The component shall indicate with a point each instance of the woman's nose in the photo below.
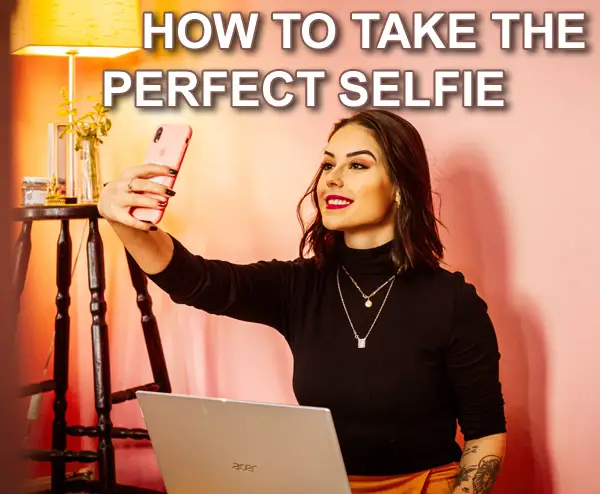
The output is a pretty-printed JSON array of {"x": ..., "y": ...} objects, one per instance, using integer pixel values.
[{"x": 334, "y": 178}]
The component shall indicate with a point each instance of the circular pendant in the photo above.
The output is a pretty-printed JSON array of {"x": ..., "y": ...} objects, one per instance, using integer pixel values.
[{"x": 368, "y": 303}]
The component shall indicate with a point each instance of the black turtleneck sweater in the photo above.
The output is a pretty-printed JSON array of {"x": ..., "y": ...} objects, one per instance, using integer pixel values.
[{"x": 431, "y": 359}]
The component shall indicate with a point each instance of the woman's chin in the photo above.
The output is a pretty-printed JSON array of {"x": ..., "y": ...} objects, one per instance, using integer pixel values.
[
  {"x": 331, "y": 225},
  {"x": 336, "y": 225}
]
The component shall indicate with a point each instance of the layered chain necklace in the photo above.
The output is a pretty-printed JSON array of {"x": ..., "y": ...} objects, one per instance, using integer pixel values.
[
  {"x": 368, "y": 303},
  {"x": 362, "y": 342}
]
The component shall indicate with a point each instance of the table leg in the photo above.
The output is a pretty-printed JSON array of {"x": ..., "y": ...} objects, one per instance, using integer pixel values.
[
  {"x": 102, "y": 375},
  {"x": 149, "y": 326},
  {"x": 61, "y": 354},
  {"x": 21, "y": 262}
]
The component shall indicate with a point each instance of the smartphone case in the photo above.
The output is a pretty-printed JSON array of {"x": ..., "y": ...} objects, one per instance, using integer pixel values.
[{"x": 168, "y": 147}]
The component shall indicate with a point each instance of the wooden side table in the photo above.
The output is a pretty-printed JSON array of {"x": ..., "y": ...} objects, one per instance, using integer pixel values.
[{"x": 104, "y": 398}]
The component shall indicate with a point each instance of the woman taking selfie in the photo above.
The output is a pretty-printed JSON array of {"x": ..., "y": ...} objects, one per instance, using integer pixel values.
[{"x": 398, "y": 348}]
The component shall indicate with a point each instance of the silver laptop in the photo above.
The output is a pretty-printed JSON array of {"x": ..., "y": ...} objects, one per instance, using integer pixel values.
[{"x": 218, "y": 446}]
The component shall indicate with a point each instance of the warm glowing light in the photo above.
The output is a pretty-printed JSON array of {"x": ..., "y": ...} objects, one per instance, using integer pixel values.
[{"x": 99, "y": 28}]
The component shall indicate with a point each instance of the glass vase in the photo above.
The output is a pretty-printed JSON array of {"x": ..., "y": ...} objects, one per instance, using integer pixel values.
[{"x": 90, "y": 185}]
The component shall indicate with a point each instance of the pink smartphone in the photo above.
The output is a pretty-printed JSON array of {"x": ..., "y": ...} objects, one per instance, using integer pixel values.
[{"x": 168, "y": 147}]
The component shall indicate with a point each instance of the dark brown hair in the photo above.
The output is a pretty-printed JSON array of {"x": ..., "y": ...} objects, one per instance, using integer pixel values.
[{"x": 416, "y": 239}]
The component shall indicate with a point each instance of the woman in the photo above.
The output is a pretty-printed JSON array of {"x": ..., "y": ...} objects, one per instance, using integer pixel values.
[{"x": 396, "y": 346}]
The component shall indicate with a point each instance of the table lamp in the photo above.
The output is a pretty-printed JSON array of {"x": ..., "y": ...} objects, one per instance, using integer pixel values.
[{"x": 75, "y": 28}]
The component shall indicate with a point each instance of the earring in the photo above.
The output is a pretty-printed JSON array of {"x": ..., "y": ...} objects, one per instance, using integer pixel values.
[{"x": 398, "y": 198}]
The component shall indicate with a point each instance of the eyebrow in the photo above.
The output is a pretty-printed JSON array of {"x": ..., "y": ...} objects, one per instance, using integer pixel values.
[{"x": 354, "y": 153}]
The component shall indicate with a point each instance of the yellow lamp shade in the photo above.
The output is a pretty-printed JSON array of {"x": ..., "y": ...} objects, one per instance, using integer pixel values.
[{"x": 98, "y": 28}]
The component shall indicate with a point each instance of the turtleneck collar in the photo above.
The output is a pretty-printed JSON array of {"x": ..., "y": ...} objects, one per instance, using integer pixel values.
[{"x": 374, "y": 260}]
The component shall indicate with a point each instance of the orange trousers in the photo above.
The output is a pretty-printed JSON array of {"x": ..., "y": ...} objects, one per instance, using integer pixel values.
[{"x": 439, "y": 480}]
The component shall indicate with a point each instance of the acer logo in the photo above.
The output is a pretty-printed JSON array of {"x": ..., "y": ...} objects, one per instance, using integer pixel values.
[{"x": 243, "y": 467}]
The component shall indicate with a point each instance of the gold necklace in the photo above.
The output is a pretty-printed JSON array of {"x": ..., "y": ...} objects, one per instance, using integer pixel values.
[
  {"x": 362, "y": 342},
  {"x": 367, "y": 298}
]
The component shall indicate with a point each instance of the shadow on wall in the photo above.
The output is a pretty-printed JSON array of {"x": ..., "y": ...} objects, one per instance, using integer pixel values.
[{"x": 476, "y": 240}]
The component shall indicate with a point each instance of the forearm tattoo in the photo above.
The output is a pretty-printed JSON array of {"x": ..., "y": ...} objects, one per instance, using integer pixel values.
[
  {"x": 481, "y": 476},
  {"x": 472, "y": 449}
]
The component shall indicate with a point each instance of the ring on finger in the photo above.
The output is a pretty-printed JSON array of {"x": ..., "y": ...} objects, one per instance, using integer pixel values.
[{"x": 129, "y": 186}]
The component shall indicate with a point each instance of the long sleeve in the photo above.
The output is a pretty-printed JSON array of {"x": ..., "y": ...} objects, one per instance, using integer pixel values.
[
  {"x": 259, "y": 292},
  {"x": 473, "y": 364}
]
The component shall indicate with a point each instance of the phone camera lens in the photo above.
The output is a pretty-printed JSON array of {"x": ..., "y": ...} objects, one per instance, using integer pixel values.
[{"x": 158, "y": 134}]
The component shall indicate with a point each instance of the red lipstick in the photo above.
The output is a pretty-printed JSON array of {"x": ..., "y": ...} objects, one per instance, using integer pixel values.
[{"x": 337, "y": 202}]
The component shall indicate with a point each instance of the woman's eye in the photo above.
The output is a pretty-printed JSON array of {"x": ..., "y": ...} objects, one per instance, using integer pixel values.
[{"x": 353, "y": 165}]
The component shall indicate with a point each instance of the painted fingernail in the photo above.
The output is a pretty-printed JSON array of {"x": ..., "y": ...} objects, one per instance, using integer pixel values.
[
  {"x": 153, "y": 228},
  {"x": 162, "y": 204},
  {"x": 170, "y": 192},
  {"x": 172, "y": 171}
]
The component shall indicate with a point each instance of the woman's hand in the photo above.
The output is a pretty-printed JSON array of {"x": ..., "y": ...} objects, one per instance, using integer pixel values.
[{"x": 132, "y": 189}]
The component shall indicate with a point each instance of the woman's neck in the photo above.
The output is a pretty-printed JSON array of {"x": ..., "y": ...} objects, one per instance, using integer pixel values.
[
  {"x": 368, "y": 239},
  {"x": 368, "y": 258}
]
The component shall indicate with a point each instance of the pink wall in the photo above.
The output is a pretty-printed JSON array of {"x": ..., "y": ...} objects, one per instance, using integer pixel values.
[{"x": 519, "y": 199}]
